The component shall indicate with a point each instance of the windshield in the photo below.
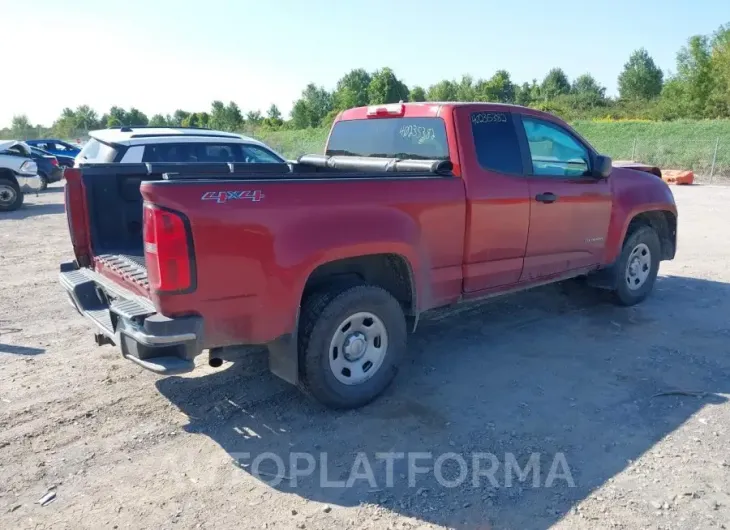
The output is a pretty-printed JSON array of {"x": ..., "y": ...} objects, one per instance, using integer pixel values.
[{"x": 414, "y": 138}]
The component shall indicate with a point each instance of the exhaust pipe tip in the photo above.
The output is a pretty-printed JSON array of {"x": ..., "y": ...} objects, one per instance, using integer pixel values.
[
  {"x": 102, "y": 340},
  {"x": 215, "y": 362}
]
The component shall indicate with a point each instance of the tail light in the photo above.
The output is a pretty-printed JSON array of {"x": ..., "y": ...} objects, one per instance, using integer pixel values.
[
  {"x": 74, "y": 198},
  {"x": 168, "y": 250},
  {"x": 54, "y": 162},
  {"x": 392, "y": 109}
]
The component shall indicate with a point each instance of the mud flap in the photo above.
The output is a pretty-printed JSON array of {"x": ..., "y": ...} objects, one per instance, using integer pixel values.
[
  {"x": 604, "y": 278},
  {"x": 284, "y": 358}
]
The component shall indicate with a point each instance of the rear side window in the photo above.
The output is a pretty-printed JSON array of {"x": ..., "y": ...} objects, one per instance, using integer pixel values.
[
  {"x": 414, "y": 138},
  {"x": 495, "y": 140},
  {"x": 209, "y": 152},
  {"x": 97, "y": 152}
]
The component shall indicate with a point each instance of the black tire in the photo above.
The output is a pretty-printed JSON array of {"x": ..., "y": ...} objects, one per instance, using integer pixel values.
[
  {"x": 322, "y": 314},
  {"x": 625, "y": 295},
  {"x": 44, "y": 181},
  {"x": 11, "y": 198}
]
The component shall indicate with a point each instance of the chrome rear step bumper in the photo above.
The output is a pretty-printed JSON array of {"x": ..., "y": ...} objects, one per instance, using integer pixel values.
[{"x": 155, "y": 342}]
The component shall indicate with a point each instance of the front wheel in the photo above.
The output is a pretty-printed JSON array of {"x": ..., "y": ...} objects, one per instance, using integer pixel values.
[
  {"x": 11, "y": 198},
  {"x": 351, "y": 344},
  {"x": 637, "y": 266}
]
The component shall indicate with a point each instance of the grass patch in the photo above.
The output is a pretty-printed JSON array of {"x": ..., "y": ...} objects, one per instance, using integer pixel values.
[
  {"x": 683, "y": 144},
  {"x": 293, "y": 144}
]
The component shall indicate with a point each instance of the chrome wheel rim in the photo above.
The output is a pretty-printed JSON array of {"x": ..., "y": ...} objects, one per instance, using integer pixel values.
[
  {"x": 357, "y": 348},
  {"x": 7, "y": 194},
  {"x": 638, "y": 267}
]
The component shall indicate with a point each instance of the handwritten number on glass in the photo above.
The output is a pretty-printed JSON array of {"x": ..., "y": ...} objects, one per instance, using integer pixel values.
[
  {"x": 489, "y": 117},
  {"x": 419, "y": 133}
]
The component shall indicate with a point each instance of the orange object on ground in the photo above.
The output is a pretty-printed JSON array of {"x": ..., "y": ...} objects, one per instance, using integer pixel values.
[{"x": 678, "y": 176}]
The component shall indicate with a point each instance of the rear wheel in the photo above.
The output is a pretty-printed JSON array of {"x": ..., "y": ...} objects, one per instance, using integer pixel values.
[
  {"x": 11, "y": 198},
  {"x": 44, "y": 181},
  {"x": 638, "y": 266},
  {"x": 351, "y": 344}
]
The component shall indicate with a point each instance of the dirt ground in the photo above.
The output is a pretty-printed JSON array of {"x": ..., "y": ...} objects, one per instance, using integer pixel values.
[{"x": 636, "y": 400}]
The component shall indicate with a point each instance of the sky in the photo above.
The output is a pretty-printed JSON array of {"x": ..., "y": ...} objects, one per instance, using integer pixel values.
[{"x": 161, "y": 55}]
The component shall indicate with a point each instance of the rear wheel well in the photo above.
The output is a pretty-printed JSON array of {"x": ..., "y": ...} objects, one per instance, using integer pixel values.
[
  {"x": 665, "y": 225},
  {"x": 392, "y": 272}
]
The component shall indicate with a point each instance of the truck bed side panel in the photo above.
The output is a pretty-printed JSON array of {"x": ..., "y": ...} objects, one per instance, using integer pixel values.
[{"x": 256, "y": 246}]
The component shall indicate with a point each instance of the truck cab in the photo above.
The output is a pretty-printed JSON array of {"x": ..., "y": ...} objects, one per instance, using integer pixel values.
[{"x": 541, "y": 202}]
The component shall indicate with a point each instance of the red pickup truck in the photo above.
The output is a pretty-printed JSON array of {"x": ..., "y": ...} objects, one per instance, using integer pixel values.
[{"x": 330, "y": 260}]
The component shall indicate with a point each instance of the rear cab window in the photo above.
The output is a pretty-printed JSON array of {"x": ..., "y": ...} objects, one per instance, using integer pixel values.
[
  {"x": 404, "y": 138},
  {"x": 97, "y": 152}
]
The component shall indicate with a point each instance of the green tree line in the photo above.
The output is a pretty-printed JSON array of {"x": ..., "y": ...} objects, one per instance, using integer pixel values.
[{"x": 700, "y": 88}]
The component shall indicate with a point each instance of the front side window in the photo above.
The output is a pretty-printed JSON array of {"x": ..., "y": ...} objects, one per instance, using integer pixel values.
[
  {"x": 253, "y": 154},
  {"x": 554, "y": 151}
]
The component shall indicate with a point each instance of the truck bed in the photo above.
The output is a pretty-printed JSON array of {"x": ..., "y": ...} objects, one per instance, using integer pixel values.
[
  {"x": 128, "y": 267},
  {"x": 113, "y": 202}
]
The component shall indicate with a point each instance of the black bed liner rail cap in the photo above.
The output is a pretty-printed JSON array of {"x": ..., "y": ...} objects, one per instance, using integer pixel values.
[
  {"x": 377, "y": 164},
  {"x": 305, "y": 165}
]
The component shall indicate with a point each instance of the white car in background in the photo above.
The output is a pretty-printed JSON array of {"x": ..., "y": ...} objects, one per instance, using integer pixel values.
[
  {"x": 172, "y": 144},
  {"x": 18, "y": 174}
]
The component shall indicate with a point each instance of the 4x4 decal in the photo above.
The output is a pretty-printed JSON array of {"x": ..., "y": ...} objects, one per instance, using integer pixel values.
[{"x": 225, "y": 196}]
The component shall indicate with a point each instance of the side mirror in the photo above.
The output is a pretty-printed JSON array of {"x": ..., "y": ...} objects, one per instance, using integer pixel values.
[{"x": 603, "y": 166}]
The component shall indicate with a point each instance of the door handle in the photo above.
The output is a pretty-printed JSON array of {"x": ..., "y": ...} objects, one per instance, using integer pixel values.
[{"x": 546, "y": 197}]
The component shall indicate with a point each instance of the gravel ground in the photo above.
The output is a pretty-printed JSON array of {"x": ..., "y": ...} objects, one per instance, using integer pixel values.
[{"x": 633, "y": 400}]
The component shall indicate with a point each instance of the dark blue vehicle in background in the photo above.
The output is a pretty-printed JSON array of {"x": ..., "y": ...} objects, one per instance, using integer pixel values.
[
  {"x": 49, "y": 169},
  {"x": 63, "y": 151}
]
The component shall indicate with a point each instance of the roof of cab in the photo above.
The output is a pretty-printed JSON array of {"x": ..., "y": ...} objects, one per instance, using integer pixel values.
[
  {"x": 461, "y": 103},
  {"x": 146, "y": 135},
  {"x": 425, "y": 109}
]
